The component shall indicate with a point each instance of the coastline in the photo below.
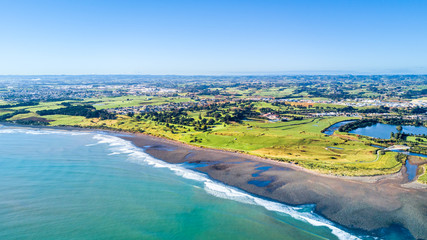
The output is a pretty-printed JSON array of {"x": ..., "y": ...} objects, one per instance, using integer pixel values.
[{"x": 367, "y": 203}]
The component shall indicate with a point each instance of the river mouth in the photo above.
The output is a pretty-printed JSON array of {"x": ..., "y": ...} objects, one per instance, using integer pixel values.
[{"x": 411, "y": 168}]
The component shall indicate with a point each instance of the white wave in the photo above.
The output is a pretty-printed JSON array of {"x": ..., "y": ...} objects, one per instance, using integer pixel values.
[
  {"x": 114, "y": 153},
  {"x": 218, "y": 189},
  {"x": 92, "y": 144},
  {"x": 38, "y": 131}
]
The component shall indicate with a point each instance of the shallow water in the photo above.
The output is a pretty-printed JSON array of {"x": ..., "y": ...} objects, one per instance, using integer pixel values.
[
  {"x": 71, "y": 185},
  {"x": 411, "y": 170}
]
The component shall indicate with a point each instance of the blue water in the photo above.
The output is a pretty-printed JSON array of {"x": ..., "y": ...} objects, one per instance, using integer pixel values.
[
  {"x": 330, "y": 130},
  {"x": 261, "y": 170},
  {"x": 72, "y": 185},
  {"x": 338, "y": 148},
  {"x": 384, "y": 131},
  {"x": 411, "y": 170},
  {"x": 260, "y": 183}
]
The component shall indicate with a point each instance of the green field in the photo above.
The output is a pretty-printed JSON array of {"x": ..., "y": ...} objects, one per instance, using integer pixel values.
[
  {"x": 423, "y": 177},
  {"x": 414, "y": 139},
  {"x": 130, "y": 101},
  {"x": 4, "y": 111},
  {"x": 275, "y": 92}
]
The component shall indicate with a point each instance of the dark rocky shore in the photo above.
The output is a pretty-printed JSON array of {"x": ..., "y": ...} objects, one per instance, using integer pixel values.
[{"x": 367, "y": 203}]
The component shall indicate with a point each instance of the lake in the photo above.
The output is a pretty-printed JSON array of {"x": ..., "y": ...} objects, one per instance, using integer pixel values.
[{"x": 384, "y": 131}]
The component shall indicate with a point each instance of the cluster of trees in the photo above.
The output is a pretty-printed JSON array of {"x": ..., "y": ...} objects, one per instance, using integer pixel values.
[
  {"x": 33, "y": 121},
  {"x": 419, "y": 110},
  {"x": 381, "y": 109},
  {"x": 181, "y": 117},
  {"x": 401, "y": 158},
  {"x": 357, "y": 124},
  {"x": 216, "y": 113},
  {"x": 22, "y": 104},
  {"x": 419, "y": 149},
  {"x": 176, "y": 117},
  {"x": 399, "y": 136},
  {"x": 87, "y": 111},
  {"x": 414, "y": 93},
  {"x": 400, "y": 121},
  {"x": 9, "y": 115}
]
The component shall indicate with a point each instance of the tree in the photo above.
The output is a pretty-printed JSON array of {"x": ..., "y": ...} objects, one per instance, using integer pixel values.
[{"x": 399, "y": 128}]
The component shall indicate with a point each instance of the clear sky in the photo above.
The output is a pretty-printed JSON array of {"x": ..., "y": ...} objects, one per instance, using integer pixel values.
[{"x": 212, "y": 37}]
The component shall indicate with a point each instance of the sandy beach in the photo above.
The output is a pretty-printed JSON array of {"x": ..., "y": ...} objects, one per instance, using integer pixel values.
[{"x": 366, "y": 203}]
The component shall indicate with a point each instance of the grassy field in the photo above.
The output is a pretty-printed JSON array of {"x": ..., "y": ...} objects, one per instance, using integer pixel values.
[
  {"x": 275, "y": 92},
  {"x": 414, "y": 139},
  {"x": 130, "y": 101},
  {"x": 300, "y": 142},
  {"x": 42, "y": 106},
  {"x": 423, "y": 177},
  {"x": 4, "y": 111}
]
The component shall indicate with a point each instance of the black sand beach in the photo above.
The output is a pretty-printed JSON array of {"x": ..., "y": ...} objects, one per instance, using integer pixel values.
[{"x": 367, "y": 203}]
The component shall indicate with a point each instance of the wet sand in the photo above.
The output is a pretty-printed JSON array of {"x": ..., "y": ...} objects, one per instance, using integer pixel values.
[{"x": 366, "y": 203}]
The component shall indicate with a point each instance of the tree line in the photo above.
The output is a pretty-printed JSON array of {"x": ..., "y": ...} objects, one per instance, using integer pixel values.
[{"x": 87, "y": 111}]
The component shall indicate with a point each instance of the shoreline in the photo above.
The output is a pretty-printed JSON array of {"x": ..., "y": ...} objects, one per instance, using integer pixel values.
[
  {"x": 370, "y": 204},
  {"x": 365, "y": 203},
  {"x": 362, "y": 178}
]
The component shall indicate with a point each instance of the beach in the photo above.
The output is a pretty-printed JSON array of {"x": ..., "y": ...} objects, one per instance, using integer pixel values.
[{"x": 365, "y": 203}]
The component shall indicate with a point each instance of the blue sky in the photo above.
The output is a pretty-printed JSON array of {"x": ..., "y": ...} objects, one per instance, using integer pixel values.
[{"x": 212, "y": 37}]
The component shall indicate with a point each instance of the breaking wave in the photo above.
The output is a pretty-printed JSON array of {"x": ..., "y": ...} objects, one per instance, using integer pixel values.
[{"x": 36, "y": 131}]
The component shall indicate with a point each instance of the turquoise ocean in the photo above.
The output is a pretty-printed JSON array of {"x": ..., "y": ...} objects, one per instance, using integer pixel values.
[{"x": 58, "y": 184}]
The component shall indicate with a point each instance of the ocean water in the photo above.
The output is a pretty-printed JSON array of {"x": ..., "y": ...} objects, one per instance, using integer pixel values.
[{"x": 73, "y": 185}]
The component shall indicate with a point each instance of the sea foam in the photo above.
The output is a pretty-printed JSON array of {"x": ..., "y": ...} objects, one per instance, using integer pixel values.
[
  {"x": 217, "y": 189},
  {"x": 5, "y": 130}
]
